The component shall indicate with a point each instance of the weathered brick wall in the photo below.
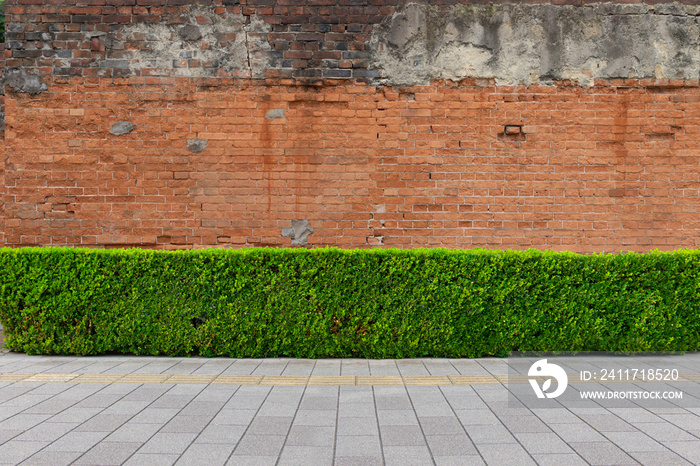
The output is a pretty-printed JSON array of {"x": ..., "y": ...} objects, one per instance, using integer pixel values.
[{"x": 314, "y": 136}]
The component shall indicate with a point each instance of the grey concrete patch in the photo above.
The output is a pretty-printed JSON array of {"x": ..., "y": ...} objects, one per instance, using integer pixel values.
[
  {"x": 299, "y": 231},
  {"x": 526, "y": 44},
  {"x": 196, "y": 145},
  {"x": 120, "y": 128},
  {"x": 274, "y": 113},
  {"x": 20, "y": 81}
]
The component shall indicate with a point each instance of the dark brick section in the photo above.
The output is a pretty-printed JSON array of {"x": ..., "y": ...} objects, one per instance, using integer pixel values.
[{"x": 307, "y": 38}]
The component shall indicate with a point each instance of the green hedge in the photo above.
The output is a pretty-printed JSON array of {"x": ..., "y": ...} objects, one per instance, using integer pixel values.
[{"x": 358, "y": 303}]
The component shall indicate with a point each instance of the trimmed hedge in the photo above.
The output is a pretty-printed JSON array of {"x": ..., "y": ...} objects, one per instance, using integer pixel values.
[{"x": 346, "y": 303}]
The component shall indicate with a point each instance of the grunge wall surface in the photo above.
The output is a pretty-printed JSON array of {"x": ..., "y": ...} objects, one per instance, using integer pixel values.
[{"x": 177, "y": 123}]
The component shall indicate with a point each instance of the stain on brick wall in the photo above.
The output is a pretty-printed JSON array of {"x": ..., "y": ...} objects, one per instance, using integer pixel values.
[{"x": 381, "y": 124}]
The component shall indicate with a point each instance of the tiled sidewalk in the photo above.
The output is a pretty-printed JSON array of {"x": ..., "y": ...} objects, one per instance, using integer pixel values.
[{"x": 143, "y": 410}]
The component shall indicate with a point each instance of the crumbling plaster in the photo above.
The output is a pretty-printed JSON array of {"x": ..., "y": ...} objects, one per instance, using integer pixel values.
[
  {"x": 202, "y": 44},
  {"x": 526, "y": 44}
]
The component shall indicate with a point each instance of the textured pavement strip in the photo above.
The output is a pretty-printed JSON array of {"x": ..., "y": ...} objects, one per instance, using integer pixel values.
[
  {"x": 294, "y": 380},
  {"x": 123, "y": 410}
]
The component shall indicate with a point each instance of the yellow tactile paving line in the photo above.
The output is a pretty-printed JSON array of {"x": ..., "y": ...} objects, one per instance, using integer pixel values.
[{"x": 46, "y": 377}]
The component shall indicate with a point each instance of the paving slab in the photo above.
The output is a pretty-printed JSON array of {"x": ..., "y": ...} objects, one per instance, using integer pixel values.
[{"x": 154, "y": 410}]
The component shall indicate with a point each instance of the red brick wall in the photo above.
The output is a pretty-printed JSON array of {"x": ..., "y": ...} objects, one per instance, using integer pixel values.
[{"x": 606, "y": 168}]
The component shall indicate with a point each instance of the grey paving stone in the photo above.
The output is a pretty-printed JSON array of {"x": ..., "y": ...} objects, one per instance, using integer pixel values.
[
  {"x": 76, "y": 415},
  {"x": 202, "y": 408},
  {"x": 278, "y": 408},
  {"x": 23, "y": 421},
  {"x": 50, "y": 406},
  {"x": 108, "y": 453},
  {"x": 400, "y": 402},
  {"x": 15, "y": 451},
  {"x": 664, "y": 432},
  {"x": 458, "y": 460},
  {"x": 451, "y": 445},
  {"x": 167, "y": 443},
  {"x": 407, "y": 455},
  {"x": 126, "y": 407},
  {"x": 559, "y": 459},
  {"x": 359, "y": 461},
  {"x": 6, "y": 435},
  {"x": 241, "y": 460},
  {"x": 432, "y": 409},
  {"x": 206, "y": 454},
  {"x": 528, "y": 423},
  {"x": 397, "y": 418},
  {"x": 608, "y": 423},
  {"x": 172, "y": 401},
  {"x": 441, "y": 425},
  {"x": 259, "y": 445},
  {"x": 154, "y": 416},
  {"x": 223, "y": 434},
  {"x": 634, "y": 441},
  {"x": 357, "y": 426},
  {"x": 103, "y": 423},
  {"x": 234, "y": 417},
  {"x": 655, "y": 458},
  {"x": 356, "y": 394},
  {"x": 489, "y": 434},
  {"x": 577, "y": 433},
  {"x": 542, "y": 443},
  {"x": 181, "y": 423},
  {"x": 77, "y": 441},
  {"x": 556, "y": 416},
  {"x": 357, "y": 445},
  {"x": 152, "y": 459},
  {"x": 402, "y": 435},
  {"x": 601, "y": 453},
  {"x": 315, "y": 418},
  {"x": 505, "y": 454},
  {"x": 133, "y": 432},
  {"x": 52, "y": 458},
  {"x": 47, "y": 431},
  {"x": 477, "y": 417},
  {"x": 270, "y": 425},
  {"x": 311, "y": 436},
  {"x": 318, "y": 402},
  {"x": 689, "y": 450},
  {"x": 356, "y": 409},
  {"x": 303, "y": 456}
]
